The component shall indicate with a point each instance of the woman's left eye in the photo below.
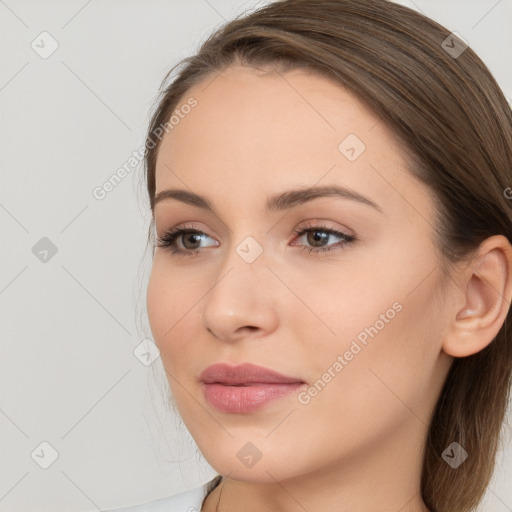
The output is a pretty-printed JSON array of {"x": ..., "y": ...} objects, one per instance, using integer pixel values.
[
  {"x": 319, "y": 234},
  {"x": 314, "y": 235}
]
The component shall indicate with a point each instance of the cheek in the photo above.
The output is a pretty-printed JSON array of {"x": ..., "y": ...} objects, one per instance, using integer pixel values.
[
  {"x": 173, "y": 306},
  {"x": 160, "y": 303},
  {"x": 381, "y": 368},
  {"x": 166, "y": 304}
]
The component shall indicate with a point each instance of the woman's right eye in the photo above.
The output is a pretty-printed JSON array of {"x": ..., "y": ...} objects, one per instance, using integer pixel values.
[{"x": 169, "y": 240}]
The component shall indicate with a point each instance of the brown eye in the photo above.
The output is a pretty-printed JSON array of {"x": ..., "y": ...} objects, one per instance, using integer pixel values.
[
  {"x": 190, "y": 240},
  {"x": 318, "y": 237}
]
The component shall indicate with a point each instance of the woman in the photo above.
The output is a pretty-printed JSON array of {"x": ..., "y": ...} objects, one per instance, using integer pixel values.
[{"x": 331, "y": 279}]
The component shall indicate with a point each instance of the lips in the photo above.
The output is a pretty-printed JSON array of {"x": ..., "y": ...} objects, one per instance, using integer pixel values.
[
  {"x": 245, "y": 388},
  {"x": 244, "y": 374}
]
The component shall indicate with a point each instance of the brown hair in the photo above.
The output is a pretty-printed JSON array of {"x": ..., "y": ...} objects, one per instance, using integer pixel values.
[{"x": 456, "y": 125}]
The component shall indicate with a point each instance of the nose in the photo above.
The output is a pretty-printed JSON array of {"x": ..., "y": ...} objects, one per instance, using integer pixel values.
[{"x": 241, "y": 302}]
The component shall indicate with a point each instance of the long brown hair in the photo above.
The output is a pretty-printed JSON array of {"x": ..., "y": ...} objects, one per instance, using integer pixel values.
[{"x": 455, "y": 123}]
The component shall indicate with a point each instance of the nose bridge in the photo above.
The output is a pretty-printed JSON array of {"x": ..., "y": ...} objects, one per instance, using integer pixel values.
[
  {"x": 246, "y": 242},
  {"x": 238, "y": 298}
]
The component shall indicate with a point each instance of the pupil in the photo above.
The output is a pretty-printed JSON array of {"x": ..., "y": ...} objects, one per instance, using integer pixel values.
[
  {"x": 318, "y": 236},
  {"x": 191, "y": 236}
]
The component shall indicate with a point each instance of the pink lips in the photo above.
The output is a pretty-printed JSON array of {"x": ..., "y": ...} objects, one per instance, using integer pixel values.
[{"x": 244, "y": 388}]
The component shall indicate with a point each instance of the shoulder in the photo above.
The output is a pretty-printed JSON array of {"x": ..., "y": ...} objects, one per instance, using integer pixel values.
[{"x": 187, "y": 501}]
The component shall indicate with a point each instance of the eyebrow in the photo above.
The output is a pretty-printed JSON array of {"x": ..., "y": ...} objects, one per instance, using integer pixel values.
[{"x": 278, "y": 202}]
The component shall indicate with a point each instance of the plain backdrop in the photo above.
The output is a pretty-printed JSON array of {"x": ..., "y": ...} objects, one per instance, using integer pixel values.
[{"x": 78, "y": 80}]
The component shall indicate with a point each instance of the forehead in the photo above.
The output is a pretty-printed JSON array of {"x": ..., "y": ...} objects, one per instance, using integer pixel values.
[
  {"x": 267, "y": 113},
  {"x": 250, "y": 130}
]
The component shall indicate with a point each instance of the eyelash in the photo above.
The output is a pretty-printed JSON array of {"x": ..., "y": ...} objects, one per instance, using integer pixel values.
[{"x": 168, "y": 239}]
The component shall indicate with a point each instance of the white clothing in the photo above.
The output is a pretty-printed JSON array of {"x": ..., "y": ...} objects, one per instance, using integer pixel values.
[{"x": 187, "y": 501}]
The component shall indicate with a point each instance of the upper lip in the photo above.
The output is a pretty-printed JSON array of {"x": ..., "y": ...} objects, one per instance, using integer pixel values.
[{"x": 244, "y": 374}]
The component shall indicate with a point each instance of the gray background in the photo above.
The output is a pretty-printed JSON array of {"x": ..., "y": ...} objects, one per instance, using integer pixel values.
[{"x": 70, "y": 323}]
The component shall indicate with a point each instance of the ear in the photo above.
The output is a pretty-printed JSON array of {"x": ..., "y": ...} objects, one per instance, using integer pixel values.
[{"x": 486, "y": 293}]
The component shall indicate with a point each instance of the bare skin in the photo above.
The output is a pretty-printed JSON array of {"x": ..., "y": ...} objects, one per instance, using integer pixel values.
[{"x": 356, "y": 445}]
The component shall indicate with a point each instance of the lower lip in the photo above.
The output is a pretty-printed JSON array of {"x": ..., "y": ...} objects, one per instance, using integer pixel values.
[{"x": 244, "y": 399}]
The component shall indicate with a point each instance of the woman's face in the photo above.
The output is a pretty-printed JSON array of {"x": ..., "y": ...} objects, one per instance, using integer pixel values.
[{"x": 359, "y": 327}]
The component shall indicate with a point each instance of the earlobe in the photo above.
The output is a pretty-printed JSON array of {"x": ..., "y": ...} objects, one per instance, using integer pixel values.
[{"x": 487, "y": 291}]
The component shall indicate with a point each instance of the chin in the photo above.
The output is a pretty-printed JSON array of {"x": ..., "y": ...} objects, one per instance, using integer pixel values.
[{"x": 245, "y": 461}]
